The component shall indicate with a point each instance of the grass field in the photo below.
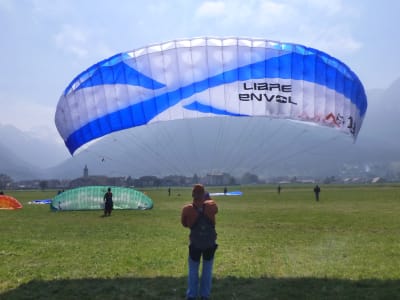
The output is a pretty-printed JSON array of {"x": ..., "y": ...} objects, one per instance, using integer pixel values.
[{"x": 287, "y": 246}]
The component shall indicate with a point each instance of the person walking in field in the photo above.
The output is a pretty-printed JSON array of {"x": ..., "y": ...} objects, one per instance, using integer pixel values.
[
  {"x": 108, "y": 203},
  {"x": 317, "y": 190},
  {"x": 199, "y": 216}
]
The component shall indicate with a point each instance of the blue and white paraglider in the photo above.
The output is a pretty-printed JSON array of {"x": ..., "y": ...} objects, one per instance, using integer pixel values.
[{"x": 210, "y": 77}]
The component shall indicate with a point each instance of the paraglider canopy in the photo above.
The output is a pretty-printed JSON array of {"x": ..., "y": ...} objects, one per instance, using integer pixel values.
[
  {"x": 210, "y": 77},
  {"x": 91, "y": 198},
  {"x": 8, "y": 202}
]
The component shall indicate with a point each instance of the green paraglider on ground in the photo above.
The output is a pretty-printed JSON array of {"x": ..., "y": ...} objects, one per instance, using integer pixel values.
[{"x": 91, "y": 198}]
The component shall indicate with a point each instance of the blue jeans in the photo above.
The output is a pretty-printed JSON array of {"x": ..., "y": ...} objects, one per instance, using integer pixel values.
[{"x": 206, "y": 273}]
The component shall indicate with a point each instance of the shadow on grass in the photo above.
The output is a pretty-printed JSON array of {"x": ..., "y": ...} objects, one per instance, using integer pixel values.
[{"x": 168, "y": 288}]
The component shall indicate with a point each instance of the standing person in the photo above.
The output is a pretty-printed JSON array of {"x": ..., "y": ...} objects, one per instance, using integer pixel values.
[
  {"x": 317, "y": 190},
  {"x": 199, "y": 216},
  {"x": 279, "y": 189},
  {"x": 108, "y": 203}
]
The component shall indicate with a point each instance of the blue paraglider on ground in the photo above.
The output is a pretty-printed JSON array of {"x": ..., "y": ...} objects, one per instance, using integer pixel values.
[
  {"x": 40, "y": 201},
  {"x": 233, "y": 193}
]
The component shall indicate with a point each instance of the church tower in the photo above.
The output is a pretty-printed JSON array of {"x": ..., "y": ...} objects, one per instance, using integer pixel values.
[{"x": 86, "y": 172}]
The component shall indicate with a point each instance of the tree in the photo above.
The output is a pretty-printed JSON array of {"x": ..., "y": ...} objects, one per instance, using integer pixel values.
[
  {"x": 5, "y": 181},
  {"x": 195, "y": 179},
  {"x": 129, "y": 181},
  {"x": 249, "y": 178},
  {"x": 43, "y": 184},
  {"x": 330, "y": 179}
]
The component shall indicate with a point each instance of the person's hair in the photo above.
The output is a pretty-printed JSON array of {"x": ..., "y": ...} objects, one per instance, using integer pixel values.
[{"x": 198, "y": 191}]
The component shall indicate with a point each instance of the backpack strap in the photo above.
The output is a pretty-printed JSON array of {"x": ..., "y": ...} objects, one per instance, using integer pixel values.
[{"x": 200, "y": 212}]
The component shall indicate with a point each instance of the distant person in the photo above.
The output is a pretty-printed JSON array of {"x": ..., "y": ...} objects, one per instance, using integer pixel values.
[
  {"x": 108, "y": 203},
  {"x": 317, "y": 190},
  {"x": 225, "y": 190},
  {"x": 199, "y": 216},
  {"x": 169, "y": 191},
  {"x": 279, "y": 189}
]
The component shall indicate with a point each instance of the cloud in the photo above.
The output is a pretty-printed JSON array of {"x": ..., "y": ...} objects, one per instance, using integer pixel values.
[
  {"x": 72, "y": 40},
  {"x": 52, "y": 9},
  {"x": 7, "y": 6},
  {"x": 335, "y": 40},
  {"x": 340, "y": 41},
  {"x": 332, "y": 7},
  {"x": 211, "y": 9},
  {"x": 27, "y": 114},
  {"x": 241, "y": 17},
  {"x": 326, "y": 26},
  {"x": 84, "y": 45}
]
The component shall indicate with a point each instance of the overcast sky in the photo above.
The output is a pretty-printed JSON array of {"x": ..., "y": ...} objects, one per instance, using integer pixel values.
[{"x": 46, "y": 43}]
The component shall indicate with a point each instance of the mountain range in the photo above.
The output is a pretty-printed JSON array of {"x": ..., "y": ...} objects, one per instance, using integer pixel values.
[{"x": 233, "y": 145}]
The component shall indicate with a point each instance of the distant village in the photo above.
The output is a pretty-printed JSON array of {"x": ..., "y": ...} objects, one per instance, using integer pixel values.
[{"x": 214, "y": 179}]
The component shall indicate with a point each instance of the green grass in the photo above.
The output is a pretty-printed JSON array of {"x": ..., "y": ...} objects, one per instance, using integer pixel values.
[{"x": 287, "y": 246}]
